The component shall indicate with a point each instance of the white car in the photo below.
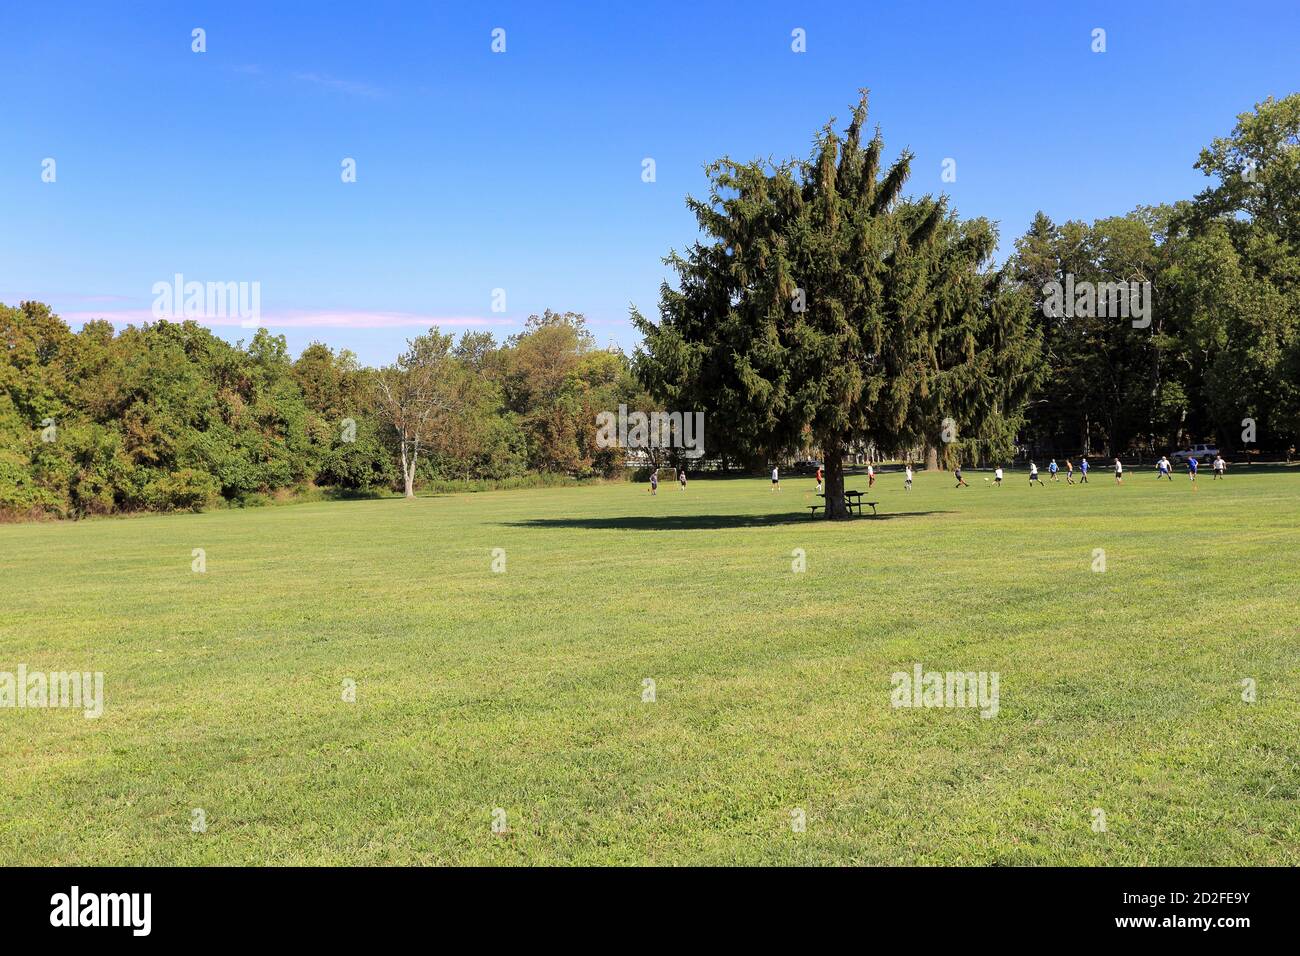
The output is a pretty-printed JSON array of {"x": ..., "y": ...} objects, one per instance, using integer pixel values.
[{"x": 1205, "y": 454}]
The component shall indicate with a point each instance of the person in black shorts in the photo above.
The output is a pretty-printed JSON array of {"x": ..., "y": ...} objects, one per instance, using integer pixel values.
[{"x": 961, "y": 482}]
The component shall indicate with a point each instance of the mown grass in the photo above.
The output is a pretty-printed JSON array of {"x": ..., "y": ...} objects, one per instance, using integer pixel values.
[{"x": 522, "y": 690}]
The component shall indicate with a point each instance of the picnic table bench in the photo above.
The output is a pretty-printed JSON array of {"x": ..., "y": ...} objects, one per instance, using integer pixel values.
[{"x": 852, "y": 500}]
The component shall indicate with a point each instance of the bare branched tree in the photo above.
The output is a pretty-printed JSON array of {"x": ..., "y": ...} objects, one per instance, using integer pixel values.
[{"x": 416, "y": 394}]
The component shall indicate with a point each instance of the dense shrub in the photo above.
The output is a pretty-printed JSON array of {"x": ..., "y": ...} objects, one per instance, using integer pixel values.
[{"x": 170, "y": 417}]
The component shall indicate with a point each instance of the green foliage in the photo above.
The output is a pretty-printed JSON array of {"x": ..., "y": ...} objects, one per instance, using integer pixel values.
[
  {"x": 821, "y": 308},
  {"x": 171, "y": 417},
  {"x": 823, "y": 304},
  {"x": 1224, "y": 341}
]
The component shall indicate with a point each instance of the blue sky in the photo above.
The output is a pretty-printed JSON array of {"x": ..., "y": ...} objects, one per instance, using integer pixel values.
[{"x": 522, "y": 170}]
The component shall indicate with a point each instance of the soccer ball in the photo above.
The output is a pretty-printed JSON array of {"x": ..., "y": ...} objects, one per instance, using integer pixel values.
[{"x": 986, "y": 479}]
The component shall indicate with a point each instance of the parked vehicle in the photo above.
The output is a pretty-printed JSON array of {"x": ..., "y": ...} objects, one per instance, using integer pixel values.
[{"x": 1202, "y": 453}]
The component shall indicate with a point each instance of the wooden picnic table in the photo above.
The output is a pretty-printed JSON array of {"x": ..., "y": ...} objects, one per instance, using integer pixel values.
[{"x": 852, "y": 500}]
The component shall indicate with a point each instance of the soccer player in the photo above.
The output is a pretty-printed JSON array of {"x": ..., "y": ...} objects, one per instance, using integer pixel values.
[
  {"x": 654, "y": 482},
  {"x": 1220, "y": 466},
  {"x": 961, "y": 482},
  {"x": 871, "y": 474},
  {"x": 819, "y": 479},
  {"x": 681, "y": 478},
  {"x": 776, "y": 479},
  {"x": 907, "y": 485},
  {"x": 997, "y": 476},
  {"x": 1162, "y": 469},
  {"x": 1119, "y": 472},
  {"x": 1083, "y": 470},
  {"x": 1192, "y": 465},
  {"x": 1052, "y": 469},
  {"x": 1069, "y": 472},
  {"x": 1033, "y": 475}
]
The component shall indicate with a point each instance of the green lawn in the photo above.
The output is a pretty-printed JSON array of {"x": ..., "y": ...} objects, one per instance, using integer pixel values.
[{"x": 523, "y": 690}]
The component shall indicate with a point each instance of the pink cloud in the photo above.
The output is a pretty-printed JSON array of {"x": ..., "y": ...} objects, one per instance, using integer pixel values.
[{"x": 301, "y": 319}]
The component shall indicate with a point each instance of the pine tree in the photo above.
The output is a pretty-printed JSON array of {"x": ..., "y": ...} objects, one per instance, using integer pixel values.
[{"x": 823, "y": 304}]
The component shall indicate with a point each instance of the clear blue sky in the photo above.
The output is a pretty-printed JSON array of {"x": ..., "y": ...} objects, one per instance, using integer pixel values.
[{"x": 522, "y": 170}]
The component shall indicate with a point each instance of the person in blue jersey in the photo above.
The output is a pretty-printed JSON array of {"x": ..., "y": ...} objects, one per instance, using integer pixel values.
[{"x": 1083, "y": 470}]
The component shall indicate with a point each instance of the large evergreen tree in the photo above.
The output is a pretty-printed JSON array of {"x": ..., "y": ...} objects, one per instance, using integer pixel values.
[{"x": 823, "y": 304}]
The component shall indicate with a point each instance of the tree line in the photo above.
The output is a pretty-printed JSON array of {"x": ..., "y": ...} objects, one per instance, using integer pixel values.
[
  {"x": 823, "y": 310},
  {"x": 170, "y": 416},
  {"x": 819, "y": 309}
]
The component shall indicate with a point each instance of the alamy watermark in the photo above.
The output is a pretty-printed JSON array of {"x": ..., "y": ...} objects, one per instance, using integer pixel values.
[
  {"x": 1114, "y": 300},
  {"x": 683, "y": 430},
  {"x": 179, "y": 299},
  {"x": 922, "y": 688},
  {"x": 75, "y": 908},
  {"x": 48, "y": 689}
]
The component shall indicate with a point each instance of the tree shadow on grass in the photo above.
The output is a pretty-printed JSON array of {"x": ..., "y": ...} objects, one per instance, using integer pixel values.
[{"x": 702, "y": 522}]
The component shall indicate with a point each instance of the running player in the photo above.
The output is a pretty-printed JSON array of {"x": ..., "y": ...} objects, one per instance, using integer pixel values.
[
  {"x": 1052, "y": 469},
  {"x": 1220, "y": 466},
  {"x": 1033, "y": 475},
  {"x": 961, "y": 482},
  {"x": 1069, "y": 472},
  {"x": 1083, "y": 470},
  {"x": 997, "y": 476}
]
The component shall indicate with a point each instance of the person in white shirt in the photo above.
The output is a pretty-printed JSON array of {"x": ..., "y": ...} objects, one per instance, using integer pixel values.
[
  {"x": 907, "y": 485},
  {"x": 997, "y": 476},
  {"x": 776, "y": 479},
  {"x": 1033, "y": 474},
  {"x": 1220, "y": 466},
  {"x": 1119, "y": 472},
  {"x": 871, "y": 475}
]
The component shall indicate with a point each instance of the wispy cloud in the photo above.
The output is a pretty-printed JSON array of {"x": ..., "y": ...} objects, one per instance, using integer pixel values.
[
  {"x": 38, "y": 296},
  {"x": 374, "y": 320},
  {"x": 343, "y": 86},
  {"x": 303, "y": 319},
  {"x": 321, "y": 80}
]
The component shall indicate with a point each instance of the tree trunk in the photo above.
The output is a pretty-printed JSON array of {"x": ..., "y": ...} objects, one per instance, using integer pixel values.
[
  {"x": 408, "y": 472},
  {"x": 931, "y": 458},
  {"x": 834, "y": 485}
]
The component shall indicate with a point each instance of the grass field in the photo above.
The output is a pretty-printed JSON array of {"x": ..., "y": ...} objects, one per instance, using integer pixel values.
[{"x": 523, "y": 690}]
